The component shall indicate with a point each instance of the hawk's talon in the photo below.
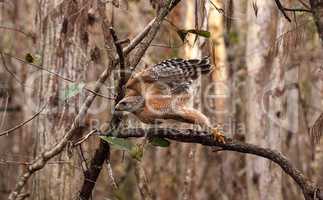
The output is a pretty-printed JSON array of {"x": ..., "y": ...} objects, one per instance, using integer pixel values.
[{"x": 218, "y": 135}]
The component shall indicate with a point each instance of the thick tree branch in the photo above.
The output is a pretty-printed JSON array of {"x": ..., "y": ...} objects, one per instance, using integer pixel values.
[
  {"x": 92, "y": 174},
  {"x": 192, "y": 136},
  {"x": 103, "y": 152}
]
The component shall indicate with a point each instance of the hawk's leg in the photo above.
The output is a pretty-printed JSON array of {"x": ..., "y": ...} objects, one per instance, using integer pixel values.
[{"x": 193, "y": 116}]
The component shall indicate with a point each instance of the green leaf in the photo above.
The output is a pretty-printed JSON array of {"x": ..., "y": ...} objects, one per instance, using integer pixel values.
[
  {"x": 160, "y": 142},
  {"x": 183, "y": 33},
  {"x": 135, "y": 151},
  {"x": 201, "y": 33},
  {"x": 119, "y": 143},
  {"x": 71, "y": 91}
]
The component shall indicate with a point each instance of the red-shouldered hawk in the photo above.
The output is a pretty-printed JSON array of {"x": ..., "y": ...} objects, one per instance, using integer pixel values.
[{"x": 162, "y": 91}]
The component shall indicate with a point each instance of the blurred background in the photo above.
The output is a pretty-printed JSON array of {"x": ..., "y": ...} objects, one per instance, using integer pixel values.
[{"x": 265, "y": 90}]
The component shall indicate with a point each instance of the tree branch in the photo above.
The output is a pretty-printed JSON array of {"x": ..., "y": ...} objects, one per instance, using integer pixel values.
[
  {"x": 92, "y": 174},
  {"x": 281, "y": 8},
  {"x": 143, "y": 46},
  {"x": 11, "y": 130},
  {"x": 103, "y": 152},
  {"x": 192, "y": 136},
  {"x": 284, "y": 10},
  {"x": 40, "y": 67},
  {"x": 118, "y": 46}
]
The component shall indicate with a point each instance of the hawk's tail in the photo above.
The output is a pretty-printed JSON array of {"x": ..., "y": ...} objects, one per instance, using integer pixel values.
[
  {"x": 194, "y": 67},
  {"x": 202, "y": 65},
  {"x": 181, "y": 69}
]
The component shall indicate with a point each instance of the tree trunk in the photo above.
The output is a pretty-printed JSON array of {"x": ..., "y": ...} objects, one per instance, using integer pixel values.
[
  {"x": 219, "y": 109},
  {"x": 63, "y": 46},
  {"x": 263, "y": 179},
  {"x": 16, "y": 20}
]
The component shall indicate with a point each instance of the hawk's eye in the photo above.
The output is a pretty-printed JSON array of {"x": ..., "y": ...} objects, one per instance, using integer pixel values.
[{"x": 123, "y": 103}]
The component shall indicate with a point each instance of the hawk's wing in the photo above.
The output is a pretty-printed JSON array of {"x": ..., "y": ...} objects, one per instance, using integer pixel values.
[{"x": 176, "y": 74}]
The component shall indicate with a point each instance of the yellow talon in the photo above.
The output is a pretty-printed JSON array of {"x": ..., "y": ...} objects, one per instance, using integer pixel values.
[{"x": 218, "y": 135}]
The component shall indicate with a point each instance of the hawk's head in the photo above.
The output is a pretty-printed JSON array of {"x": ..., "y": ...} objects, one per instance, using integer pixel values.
[{"x": 130, "y": 104}]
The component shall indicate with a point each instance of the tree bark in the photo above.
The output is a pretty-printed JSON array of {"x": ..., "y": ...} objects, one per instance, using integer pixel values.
[
  {"x": 16, "y": 20},
  {"x": 63, "y": 44},
  {"x": 263, "y": 180}
]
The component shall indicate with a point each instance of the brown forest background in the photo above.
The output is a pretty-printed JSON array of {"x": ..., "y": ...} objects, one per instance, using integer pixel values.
[{"x": 268, "y": 93}]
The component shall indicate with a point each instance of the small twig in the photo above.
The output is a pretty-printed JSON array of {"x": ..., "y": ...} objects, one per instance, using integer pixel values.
[
  {"x": 220, "y": 10},
  {"x": 304, "y": 4},
  {"x": 172, "y": 24},
  {"x": 284, "y": 10},
  {"x": 281, "y": 8},
  {"x": 37, "y": 66},
  {"x": 167, "y": 46},
  {"x": 85, "y": 137},
  {"x": 18, "y": 30},
  {"x": 53, "y": 73},
  {"x": 110, "y": 172},
  {"x": 13, "y": 162},
  {"x": 98, "y": 94},
  {"x": 7, "y": 69},
  {"x": 7, "y": 132},
  {"x": 297, "y": 10}
]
